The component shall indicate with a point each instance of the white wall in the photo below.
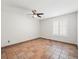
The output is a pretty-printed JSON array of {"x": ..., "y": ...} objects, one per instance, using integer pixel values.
[
  {"x": 66, "y": 33},
  {"x": 17, "y": 26}
]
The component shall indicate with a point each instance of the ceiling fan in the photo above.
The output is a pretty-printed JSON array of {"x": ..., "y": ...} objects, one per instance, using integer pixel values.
[{"x": 36, "y": 14}]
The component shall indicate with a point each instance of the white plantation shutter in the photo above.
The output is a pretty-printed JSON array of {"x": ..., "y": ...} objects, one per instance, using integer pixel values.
[
  {"x": 59, "y": 28},
  {"x": 55, "y": 28}
]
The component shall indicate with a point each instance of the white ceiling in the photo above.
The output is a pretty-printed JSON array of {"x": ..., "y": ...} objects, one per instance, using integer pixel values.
[{"x": 50, "y": 8}]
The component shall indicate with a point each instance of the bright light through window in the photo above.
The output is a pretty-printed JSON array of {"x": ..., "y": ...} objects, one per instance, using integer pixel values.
[{"x": 60, "y": 27}]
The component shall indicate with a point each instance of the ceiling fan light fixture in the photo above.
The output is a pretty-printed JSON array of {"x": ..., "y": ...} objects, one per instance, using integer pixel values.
[{"x": 34, "y": 16}]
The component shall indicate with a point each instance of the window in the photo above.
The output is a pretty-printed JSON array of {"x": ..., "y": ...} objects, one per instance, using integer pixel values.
[{"x": 60, "y": 27}]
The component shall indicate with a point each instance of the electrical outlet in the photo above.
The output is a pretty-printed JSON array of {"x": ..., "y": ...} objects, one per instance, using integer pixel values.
[{"x": 8, "y": 41}]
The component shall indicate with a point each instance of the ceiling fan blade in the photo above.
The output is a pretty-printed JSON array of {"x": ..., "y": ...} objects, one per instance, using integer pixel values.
[
  {"x": 40, "y": 13},
  {"x": 21, "y": 7}
]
